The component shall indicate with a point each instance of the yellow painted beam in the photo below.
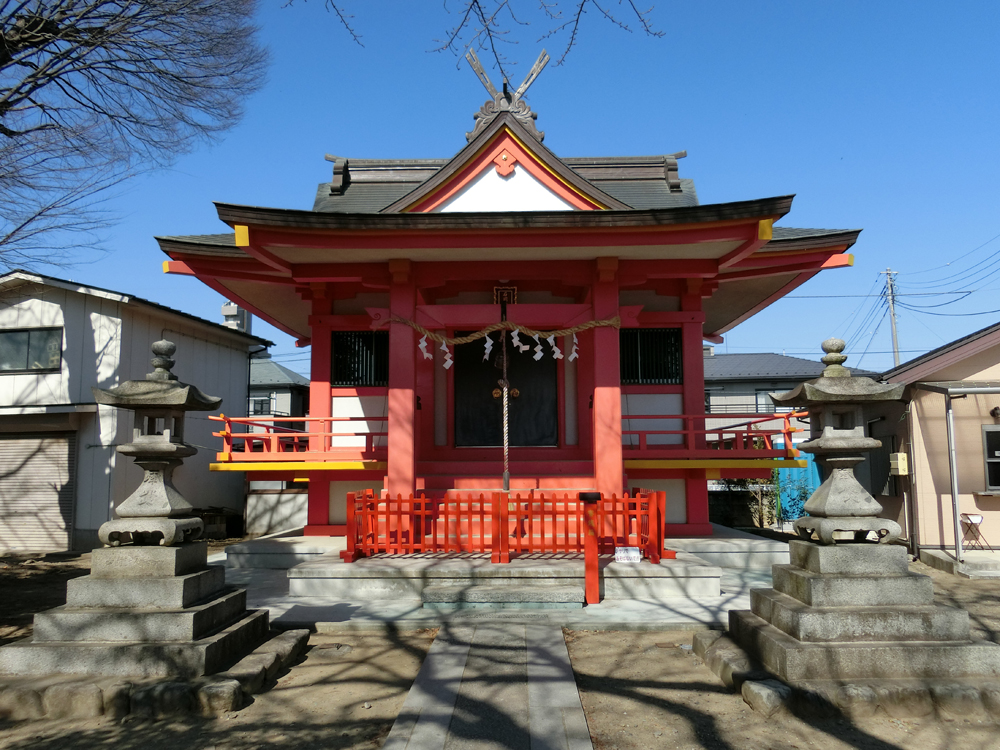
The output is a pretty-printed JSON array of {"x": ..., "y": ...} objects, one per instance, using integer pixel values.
[
  {"x": 300, "y": 466},
  {"x": 765, "y": 229},
  {"x": 711, "y": 463},
  {"x": 242, "y": 235}
]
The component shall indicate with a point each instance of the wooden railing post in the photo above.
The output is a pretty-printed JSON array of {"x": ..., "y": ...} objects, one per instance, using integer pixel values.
[
  {"x": 352, "y": 553},
  {"x": 592, "y": 576}
]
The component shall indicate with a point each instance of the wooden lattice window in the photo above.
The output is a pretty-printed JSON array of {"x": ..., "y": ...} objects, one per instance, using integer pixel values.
[
  {"x": 360, "y": 359},
  {"x": 651, "y": 356}
]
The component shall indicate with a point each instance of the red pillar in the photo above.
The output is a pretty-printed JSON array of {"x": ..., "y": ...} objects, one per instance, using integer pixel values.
[
  {"x": 592, "y": 575},
  {"x": 320, "y": 405},
  {"x": 402, "y": 382},
  {"x": 607, "y": 413},
  {"x": 696, "y": 485}
]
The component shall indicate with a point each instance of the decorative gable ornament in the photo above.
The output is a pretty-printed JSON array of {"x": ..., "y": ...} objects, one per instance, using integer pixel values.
[{"x": 504, "y": 101}]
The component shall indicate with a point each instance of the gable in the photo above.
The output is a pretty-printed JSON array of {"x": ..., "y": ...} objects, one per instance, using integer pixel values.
[
  {"x": 521, "y": 162},
  {"x": 505, "y": 175}
]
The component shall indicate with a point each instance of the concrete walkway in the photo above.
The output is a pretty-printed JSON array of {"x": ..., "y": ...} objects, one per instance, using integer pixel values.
[{"x": 494, "y": 685}]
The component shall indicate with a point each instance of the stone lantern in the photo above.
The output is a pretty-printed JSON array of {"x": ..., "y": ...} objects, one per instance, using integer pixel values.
[
  {"x": 836, "y": 413},
  {"x": 156, "y": 513},
  {"x": 847, "y": 617},
  {"x": 151, "y": 606}
]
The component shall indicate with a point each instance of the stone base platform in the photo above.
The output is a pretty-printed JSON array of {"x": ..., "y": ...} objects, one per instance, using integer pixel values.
[
  {"x": 144, "y": 611},
  {"x": 282, "y": 551},
  {"x": 469, "y": 577},
  {"x": 731, "y": 548},
  {"x": 798, "y": 662},
  {"x": 943, "y": 697},
  {"x": 205, "y": 656}
]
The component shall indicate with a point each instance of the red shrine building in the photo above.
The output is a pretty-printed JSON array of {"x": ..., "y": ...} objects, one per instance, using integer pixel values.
[{"x": 615, "y": 253}]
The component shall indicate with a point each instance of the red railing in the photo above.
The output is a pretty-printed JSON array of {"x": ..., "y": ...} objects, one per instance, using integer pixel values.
[
  {"x": 265, "y": 439},
  {"x": 357, "y": 439},
  {"x": 500, "y": 524},
  {"x": 746, "y": 437}
]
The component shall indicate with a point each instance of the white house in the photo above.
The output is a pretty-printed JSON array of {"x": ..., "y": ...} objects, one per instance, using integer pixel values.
[{"x": 60, "y": 476}]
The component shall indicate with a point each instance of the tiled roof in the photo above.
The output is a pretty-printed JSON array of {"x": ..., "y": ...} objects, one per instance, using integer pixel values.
[
  {"x": 765, "y": 366},
  {"x": 269, "y": 372}
]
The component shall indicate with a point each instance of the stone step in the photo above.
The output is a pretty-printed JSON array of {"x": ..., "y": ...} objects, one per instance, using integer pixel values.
[
  {"x": 128, "y": 624},
  {"x": 205, "y": 656},
  {"x": 395, "y": 577},
  {"x": 503, "y": 594},
  {"x": 130, "y": 561},
  {"x": 164, "y": 592},
  {"x": 795, "y": 661},
  {"x": 282, "y": 552},
  {"x": 820, "y": 590},
  {"x": 849, "y": 559},
  {"x": 886, "y": 623}
]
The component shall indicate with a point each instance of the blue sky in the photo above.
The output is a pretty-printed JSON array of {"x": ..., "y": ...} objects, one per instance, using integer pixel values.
[{"x": 882, "y": 116}]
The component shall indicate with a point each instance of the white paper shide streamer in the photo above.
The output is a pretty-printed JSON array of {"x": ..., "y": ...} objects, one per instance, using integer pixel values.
[
  {"x": 538, "y": 349},
  {"x": 574, "y": 351},
  {"x": 448, "y": 359},
  {"x": 556, "y": 351},
  {"x": 423, "y": 348},
  {"x": 515, "y": 336},
  {"x": 489, "y": 348}
]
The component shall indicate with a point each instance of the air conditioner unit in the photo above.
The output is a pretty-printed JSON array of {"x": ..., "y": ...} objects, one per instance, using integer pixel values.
[{"x": 899, "y": 464}]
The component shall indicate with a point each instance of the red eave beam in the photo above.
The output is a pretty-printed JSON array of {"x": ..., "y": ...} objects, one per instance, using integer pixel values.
[
  {"x": 621, "y": 236},
  {"x": 765, "y": 230},
  {"x": 837, "y": 261}
]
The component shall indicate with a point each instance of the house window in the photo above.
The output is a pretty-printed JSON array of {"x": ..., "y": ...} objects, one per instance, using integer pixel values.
[
  {"x": 360, "y": 359},
  {"x": 991, "y": 447},
  {"x": 651, "y": 356},
  {"x": 34, "y": 349},
  {"x": 260, "y": 405}
]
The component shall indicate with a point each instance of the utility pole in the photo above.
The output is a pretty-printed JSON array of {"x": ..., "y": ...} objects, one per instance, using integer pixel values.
[{"x": 890, "y": 292}]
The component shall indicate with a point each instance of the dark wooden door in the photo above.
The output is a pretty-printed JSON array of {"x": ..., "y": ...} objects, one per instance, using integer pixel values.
[{"x": 534, "y": 414}]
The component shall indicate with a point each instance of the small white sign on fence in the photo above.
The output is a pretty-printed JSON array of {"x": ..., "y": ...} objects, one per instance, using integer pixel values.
[{"x": 627, "y": 555}]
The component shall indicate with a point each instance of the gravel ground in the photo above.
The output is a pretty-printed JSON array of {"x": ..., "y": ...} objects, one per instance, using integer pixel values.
[{"x": 640, "y": 690}]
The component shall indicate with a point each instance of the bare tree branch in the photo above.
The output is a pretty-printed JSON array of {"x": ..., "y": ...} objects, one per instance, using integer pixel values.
[
  {"x": 343, "y": 16},
  {"x": 94, "y": 91}
]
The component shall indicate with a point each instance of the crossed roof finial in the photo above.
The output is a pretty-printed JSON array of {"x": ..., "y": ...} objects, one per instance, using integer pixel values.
[{"x": 504, "y": 101}]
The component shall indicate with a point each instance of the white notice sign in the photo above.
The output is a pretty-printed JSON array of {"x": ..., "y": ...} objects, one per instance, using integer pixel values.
[{"x": 627, "y": 555}]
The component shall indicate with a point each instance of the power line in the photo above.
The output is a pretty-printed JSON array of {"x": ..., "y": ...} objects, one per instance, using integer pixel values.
[
  {"x": 950, "y": 315},
  {"x": 882, "y": 294},
  {"x": 946, "y": 265}
]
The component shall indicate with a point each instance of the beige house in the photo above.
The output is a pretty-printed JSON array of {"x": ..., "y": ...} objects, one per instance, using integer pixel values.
[
  {"x": 952, "y": 481},
  {"x": 60, "y": 476}
]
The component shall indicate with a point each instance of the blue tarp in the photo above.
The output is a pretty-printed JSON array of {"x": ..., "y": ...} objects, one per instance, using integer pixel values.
[{"x": 794, "y": 486}]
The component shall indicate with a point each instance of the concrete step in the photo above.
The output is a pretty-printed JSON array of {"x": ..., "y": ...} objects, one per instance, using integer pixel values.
[
  {"x": 398, "y": 577},
  {"x": 282, "y": 552},
  {"x": 152, "y": 659},
  {"x": 977, "y": 564},
  {"x": 128, "y": 624},
  {"x": 731, "y": 548},
  {"x": 487, "y": 594}
]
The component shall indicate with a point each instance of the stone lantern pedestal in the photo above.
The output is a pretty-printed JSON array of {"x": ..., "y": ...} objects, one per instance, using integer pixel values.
[
  {"x": 847, "y": 610},
  {"x": 151, "y": 606}
]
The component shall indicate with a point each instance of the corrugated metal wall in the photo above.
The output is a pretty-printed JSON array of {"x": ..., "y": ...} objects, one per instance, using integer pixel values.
[{"x": 37, "y": 491}]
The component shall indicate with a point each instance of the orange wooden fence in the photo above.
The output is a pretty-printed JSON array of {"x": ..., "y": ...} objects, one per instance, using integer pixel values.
[{"x": 501, "y": 524}]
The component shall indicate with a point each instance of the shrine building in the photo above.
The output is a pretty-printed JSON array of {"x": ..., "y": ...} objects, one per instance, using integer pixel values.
[{"x": 396, "y": 259}]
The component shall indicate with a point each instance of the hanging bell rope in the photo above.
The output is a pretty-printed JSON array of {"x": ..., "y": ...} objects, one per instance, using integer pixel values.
[{"x": 614, "y": 322}]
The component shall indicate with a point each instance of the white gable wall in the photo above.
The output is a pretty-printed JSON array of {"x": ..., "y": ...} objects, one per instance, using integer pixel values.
[{"x": 518, "y": 191}]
